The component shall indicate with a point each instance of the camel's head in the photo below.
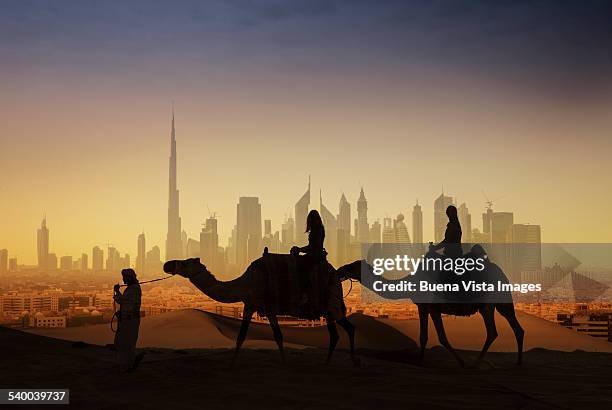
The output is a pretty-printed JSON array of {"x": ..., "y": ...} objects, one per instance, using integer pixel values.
[
  {"x": 353, "y": 270},
  {"x": 186, "y": 268}
]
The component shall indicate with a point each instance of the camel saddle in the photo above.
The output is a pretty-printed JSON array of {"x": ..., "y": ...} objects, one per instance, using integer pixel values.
[{"x": 285, "y": 288}]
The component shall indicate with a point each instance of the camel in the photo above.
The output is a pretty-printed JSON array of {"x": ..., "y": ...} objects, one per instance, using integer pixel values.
[
  {"x": 435, "y": 311},
  {"x": 251, "y": 291}
]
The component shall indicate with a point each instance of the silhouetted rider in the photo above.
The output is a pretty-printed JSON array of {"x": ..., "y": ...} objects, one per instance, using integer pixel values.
[
  {"x": 315, "y": 252},
  {"x": 452, "y": 237}
]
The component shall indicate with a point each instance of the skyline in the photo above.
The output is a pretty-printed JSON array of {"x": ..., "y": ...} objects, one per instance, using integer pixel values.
[
  {"x": 173, "y": 211},
  {"x": 249, "y": 218},
  {"x": 400, "y": 98}
]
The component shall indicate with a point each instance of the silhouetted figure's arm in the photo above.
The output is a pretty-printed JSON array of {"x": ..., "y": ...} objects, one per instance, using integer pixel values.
[
  {"x": 315, "y": 243},
  {"x": 452, "y": 235},
  {"x": 129, "y": 300}
]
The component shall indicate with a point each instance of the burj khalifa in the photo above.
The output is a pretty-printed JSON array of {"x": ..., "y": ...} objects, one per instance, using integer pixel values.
[{"x": 174, "y": 247}]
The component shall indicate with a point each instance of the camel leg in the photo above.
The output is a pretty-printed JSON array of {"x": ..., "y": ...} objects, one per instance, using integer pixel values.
[
  {"x": 423, "y": 332},
  {"x": 488, "y": 315},
  {"x": 436, "y": 317},
  {"x": 278, "y": 335},
  {"x": 333, "y": 338},
  {"x": 350, "y": 330},
  {"x": 507, "y": 311},
  {"x": 247, "y": 315}
]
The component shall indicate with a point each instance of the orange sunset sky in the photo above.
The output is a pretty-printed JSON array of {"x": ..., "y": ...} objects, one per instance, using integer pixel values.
[{"x": 264, "y": 99}]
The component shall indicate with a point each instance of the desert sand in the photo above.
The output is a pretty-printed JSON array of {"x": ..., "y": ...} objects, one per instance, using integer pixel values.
[
  {"x": 196, "y": 371},
  {"x": 192, "y": 328}
]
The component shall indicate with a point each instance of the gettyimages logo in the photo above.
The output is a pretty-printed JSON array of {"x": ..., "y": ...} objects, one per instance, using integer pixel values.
[
  {"x": 490, "y": 273},
  {"x": 407, "y": 264}
]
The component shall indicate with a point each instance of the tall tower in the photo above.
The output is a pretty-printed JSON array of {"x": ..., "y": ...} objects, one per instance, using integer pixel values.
[
  {"x": 417, "y": 223},
  {"x": 141, "y": 256},
  {"x": 209, "y": 243},
  {"x": 501, "y": 239},
  {"x": 301, "y": 212},
  {"x": 43, "y": 244},
  {"x": 84, "y": 262},
  {"x": 331, "y": 230},
  {"x": 288, "y": 233},
  {"x": 97, "y": 259},
  {"x": 363, "y": 229},
  {"x": 401, "y": 230},
  {"x": 248, "y": 230},
  {"x": 174, "y": 246},
  {"x": 388, "y": 232},
  {"x": 3, "y": 260},
  {"x": 375, "y": 232},
  {"x": 344, "y": 231},
  {"x": 465, "y": 220}
]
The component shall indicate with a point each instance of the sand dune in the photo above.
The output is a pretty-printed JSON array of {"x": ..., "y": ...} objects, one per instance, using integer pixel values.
[
  {"x": 181, "y": 329},
  {"x": 204, "y": 378},
  {"x": 197, "y": 329},
  {"x": 468, "y": 333},
  {"x": 192, "y": 328}
]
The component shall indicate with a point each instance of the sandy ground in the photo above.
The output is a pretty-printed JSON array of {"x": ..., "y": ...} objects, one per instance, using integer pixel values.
[
  {"x": 196, "y": 329},
  {"x": 203, "y": 378},
  {"x": 188, "y": 365}
]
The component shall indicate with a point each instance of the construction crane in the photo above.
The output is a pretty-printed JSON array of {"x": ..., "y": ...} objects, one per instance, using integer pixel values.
[
  {"x": 489, "y": 202},
  {"x": 211, "y": 215}
]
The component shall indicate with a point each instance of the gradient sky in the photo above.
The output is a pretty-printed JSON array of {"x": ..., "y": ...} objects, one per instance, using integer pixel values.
[{"x": 402, "y": 97}]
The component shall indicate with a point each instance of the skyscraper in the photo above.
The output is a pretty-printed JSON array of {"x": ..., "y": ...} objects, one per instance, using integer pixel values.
[
  {"x": 301, "y": 212},
  {"x": 174, "y": 245},
  {"x": 417, "y": 223},
  {"x": 401, "y": 230},
  {"x": 440, "y": 218},
  {"x": 375, "y": 232},
  {"x": 501, "y": 238},
  {"x": 465, "y": 220},
  {"x": 231, "y": 246},
  {"x": 331, "y": 231},
  {"x": 526, "y": 247},
  {"x": 248, "y": 230},
  {"x": 363, "y": 228},
  {"x": 344, "y": 231},
  {"x": 487, "y": 217},
  {"x": 113, "y": 259},
  {"x": 288, "y": 233},
  {"x": 84, "y": 262},
  {"x": 184, "y": 240},
  {"x": 141, "y": 255},
  {"x": 97, "y": 259},
  {"x": 52, "y": 261},
  {"x": 270, "y": 240},
  {"x": 388, "y": 232},
  {"x": 153, "y": 260},
  {"x": 66, "y": 262},
  {"x": 125, "y": 261},
  {"x": 501, "y": 227},
  {"x": 192, "y": 250},
  {"x": 209, "y": 243},
  {"x": 3, "y": 260},
  {"x": 43, "y": 244}
]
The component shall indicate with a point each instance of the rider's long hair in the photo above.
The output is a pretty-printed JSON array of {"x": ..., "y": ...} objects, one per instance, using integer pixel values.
[{"x": 313, "y": 221}]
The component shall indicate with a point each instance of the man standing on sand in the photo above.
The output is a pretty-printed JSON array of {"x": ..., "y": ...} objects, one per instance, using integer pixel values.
[{"x": 129, "y": 321}]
